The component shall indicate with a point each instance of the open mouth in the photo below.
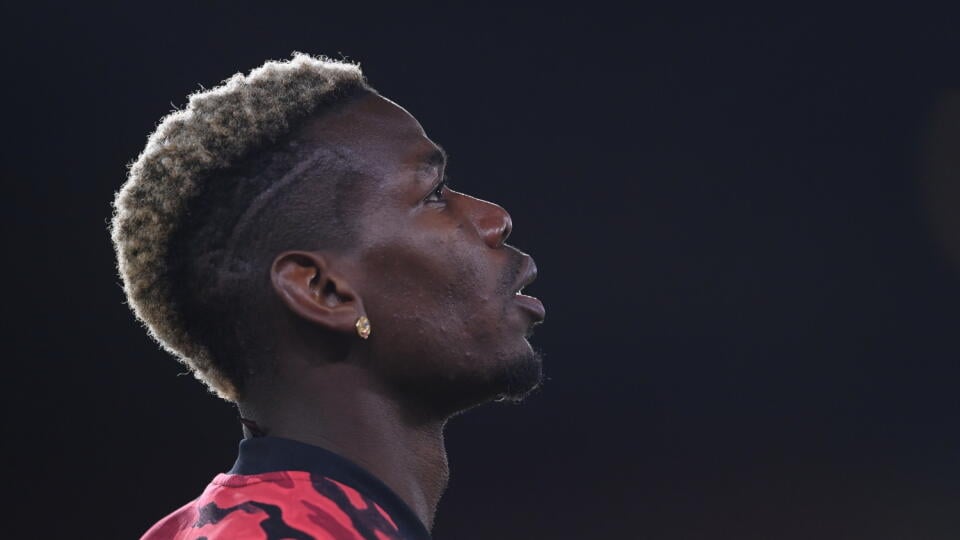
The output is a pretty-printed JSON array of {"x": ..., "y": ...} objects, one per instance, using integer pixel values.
[
  {"x": 529, "y": 303},
  {"x": 527, "y": 275}
]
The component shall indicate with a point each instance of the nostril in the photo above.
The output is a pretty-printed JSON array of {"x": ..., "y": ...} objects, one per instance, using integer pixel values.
[
  {"x": 493, "y": 223},
  {"x": 507, "y": 228}
]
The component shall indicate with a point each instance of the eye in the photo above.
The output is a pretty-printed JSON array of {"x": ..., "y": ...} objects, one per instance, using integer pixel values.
[{"x": 437, "y": 194}]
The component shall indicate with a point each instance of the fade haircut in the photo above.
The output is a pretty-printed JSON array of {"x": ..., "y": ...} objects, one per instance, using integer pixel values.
[{"x": 191, "y": 223}]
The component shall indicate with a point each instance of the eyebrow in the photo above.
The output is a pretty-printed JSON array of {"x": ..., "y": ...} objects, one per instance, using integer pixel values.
[{"x": 437, "y": 157}]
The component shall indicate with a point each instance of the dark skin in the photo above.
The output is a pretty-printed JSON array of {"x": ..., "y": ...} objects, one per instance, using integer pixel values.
[{"x": 431, "y": 270}]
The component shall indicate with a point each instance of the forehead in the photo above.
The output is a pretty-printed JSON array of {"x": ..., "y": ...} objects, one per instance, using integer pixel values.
[{"x": 374, "y": 132}]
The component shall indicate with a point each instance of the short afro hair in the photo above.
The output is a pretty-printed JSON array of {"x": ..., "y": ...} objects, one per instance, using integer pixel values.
[{"x": 197, "y": 179}]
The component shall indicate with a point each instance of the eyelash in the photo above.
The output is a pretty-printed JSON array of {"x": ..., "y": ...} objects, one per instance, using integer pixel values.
[{"x": 438, "y": 191}]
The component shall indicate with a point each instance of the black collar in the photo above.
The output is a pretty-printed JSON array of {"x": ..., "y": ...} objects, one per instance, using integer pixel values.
[{"x": 271, "y": 454}]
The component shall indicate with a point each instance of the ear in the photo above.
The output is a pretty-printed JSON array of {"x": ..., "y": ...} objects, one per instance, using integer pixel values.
[{"x": 308, "y": 287}]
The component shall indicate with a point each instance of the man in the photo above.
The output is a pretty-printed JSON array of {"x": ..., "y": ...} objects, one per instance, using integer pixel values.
[{"x": 290, "y": 237}]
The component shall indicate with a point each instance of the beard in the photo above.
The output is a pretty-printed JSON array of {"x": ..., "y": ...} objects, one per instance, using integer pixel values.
[
  {"x": 521, "y": 378},
  {"x": 512, "y": 382},
  {"x": 446, "y": 393}
]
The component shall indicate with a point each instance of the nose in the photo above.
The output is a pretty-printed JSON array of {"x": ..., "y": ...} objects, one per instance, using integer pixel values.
[{"x": 492, "y": 222}]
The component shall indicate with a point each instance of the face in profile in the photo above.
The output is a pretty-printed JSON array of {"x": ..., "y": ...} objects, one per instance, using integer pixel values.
[{"x": 432, "y": 267}]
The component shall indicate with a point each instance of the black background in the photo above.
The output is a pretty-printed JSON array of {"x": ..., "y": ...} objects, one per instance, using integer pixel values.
[{"x": 752, "y": 317}]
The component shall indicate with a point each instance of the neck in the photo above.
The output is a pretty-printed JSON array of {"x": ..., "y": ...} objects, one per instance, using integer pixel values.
[{"x": 343, "y": 410}]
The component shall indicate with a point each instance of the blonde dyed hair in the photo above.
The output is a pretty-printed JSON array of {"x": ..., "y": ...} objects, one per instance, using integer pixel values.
[{"x": 192, "y": 147}]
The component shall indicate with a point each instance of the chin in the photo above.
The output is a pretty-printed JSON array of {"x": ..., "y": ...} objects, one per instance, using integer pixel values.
[
  {"x": 521, "y": 378},
  {"x": 510, "y": 381},
  {"x": 449, "y": 392}
]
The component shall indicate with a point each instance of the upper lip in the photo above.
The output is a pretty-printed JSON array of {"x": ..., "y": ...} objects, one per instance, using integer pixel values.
[{"x": 528, "y": 273}]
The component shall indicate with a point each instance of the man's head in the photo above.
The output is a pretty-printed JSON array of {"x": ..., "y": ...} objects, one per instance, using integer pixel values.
[{"x": 263, "y": 220}]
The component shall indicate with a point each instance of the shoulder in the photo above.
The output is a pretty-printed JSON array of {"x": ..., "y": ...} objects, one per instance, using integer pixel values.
[
  {"x": 284, "y": 504},
  {"x": 170, "y": 526}
]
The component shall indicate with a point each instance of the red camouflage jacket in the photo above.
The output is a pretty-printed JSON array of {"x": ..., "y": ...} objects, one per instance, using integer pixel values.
[{"x": 280, "y": 488}]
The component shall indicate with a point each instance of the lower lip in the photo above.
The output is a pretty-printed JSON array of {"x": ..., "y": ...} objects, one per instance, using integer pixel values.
[{"x": 532, "y": 305}]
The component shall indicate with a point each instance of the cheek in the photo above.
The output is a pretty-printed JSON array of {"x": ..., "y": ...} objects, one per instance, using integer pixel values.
[{"x": 436, "y": 300}]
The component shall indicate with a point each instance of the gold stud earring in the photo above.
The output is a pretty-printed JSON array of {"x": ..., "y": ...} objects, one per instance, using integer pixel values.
[{"x": 363, "y": 327}]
